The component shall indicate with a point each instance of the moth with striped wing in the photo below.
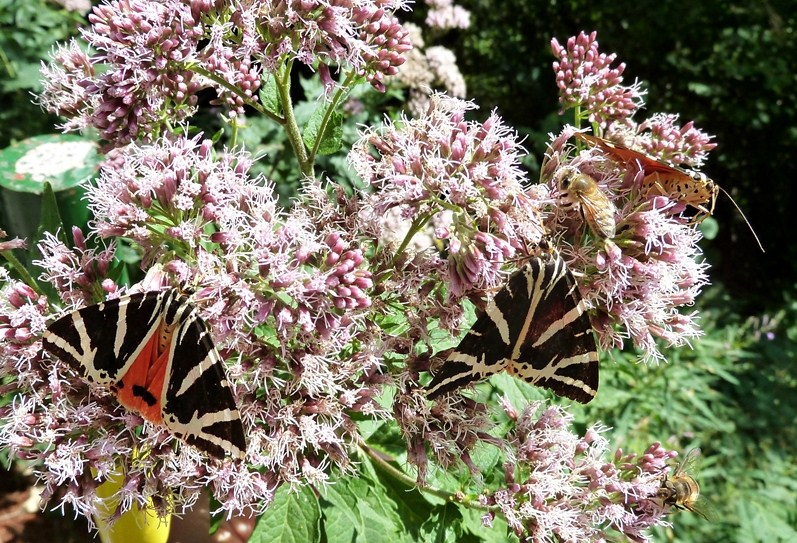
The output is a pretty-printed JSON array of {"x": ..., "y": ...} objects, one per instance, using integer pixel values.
[
  {"x": 155, "y": 353},
  {"x": 537, "y": 328}
]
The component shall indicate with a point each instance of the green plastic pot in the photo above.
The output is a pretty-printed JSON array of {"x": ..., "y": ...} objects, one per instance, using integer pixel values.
[{"x": 66, "y": 162}]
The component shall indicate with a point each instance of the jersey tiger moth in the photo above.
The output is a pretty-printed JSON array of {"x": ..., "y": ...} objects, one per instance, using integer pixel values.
[
  {"x": 155, "y": 353},
  {"x": 536, "y": 327}
]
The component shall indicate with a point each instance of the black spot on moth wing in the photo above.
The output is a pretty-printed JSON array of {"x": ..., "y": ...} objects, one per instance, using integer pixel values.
[{"x": 103, "y": 341}]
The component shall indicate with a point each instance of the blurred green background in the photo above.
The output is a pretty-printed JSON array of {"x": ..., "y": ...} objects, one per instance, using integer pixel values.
[{"x": 732, "y": 68}]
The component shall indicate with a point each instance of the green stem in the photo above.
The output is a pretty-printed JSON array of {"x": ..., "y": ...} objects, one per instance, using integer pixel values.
[
  {"x": 234, "y": 134},
  {"x": 415, "y": 227},
  {"x": 8, "y": 65},
  {"x": 577, "y": 115},
  {"x": 235, "y": 90},
  {"x": 406, "y": 480},
  {"x": 341, "y": 93},
  {"x": 291, "y": 126}
]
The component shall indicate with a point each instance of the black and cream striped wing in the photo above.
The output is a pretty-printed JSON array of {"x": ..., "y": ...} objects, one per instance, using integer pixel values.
[
  {"x": 197, "y": 403},
  {"x": 102, "y": 341},
  {"x": 155, "y": 352},
  {"x": 537, "y": 328}
]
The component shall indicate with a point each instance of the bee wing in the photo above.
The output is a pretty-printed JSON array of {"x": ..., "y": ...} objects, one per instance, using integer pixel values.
[
  {"x": 688, "y": 463},
  {"x": 599, "y": 213}
]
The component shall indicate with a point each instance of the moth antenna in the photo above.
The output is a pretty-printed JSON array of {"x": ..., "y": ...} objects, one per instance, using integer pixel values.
[{"x": 739, "y": 209}]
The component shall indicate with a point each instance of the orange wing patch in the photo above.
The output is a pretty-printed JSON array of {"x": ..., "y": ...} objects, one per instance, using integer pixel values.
[
  {"x": 141, "y": 388},
  {"x": 156, "y": 353}
]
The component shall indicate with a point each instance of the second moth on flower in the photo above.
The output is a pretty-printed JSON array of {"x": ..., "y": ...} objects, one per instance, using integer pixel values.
[{"x": 536, "y": 328}]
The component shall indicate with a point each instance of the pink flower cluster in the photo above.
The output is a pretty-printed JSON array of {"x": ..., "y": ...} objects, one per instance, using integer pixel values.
[
  {"x": 347, "y": 280},
  {"x": 23, "y": 317},
  {"x": 663, "y": 138},
  {"x": 439, "y": 162},
  {"x": 556, "y": 483},
  {"x": 642, "y": 277},
  {"x": 77, "y": 272},
  {"x": 427, "y": 68},
  {"x": 585, "y": 78},
  {"x": 446, "y": 432},
  {"x": 152, "y": 53},
  {"x": 560, "y": 484},
  {"x": 363, "y": 34},
  {"x": 251, "y": 267},
  {"x": 144, "y": 48}
]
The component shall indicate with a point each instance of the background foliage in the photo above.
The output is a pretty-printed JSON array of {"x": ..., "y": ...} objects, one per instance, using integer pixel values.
[
  {"x": 727, "y": 65},
  {"x": 28, "y": 30}
]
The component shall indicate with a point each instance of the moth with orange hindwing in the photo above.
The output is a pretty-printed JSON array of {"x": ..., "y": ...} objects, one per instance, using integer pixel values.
[{"x": 681, "y": 185}]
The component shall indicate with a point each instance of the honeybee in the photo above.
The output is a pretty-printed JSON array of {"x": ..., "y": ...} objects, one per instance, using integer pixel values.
[
  {"x": 597, "y": 209},
  {"x": 681, "y": 490}
]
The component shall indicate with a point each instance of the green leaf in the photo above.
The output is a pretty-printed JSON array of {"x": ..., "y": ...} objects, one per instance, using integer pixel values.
[
  {"x": 487, "y": 456},
  {"x": 330, "y": 140},
  {"x": 389, "y": 440},
  {"x": 269, "y": 96},
  {"x": 50, "y": 221},
  {"x": 359, "y": 510},
  {"x": 379, "y": 522},
  {"x": 411, "y": 506},
  {"x": 293, "y": 517},
  {"x": 217, "y": 518},
  {"x": 497, "y": 533},
  {"x": 50, "y": 215},
  {"x": 444, "y": 525},
  {"x": 216, "y": 137},
  {"x": 518, "y": 392},
  {"x": 342, "y": 519}
]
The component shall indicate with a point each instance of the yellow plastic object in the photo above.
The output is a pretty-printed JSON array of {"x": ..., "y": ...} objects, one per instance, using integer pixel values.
[{"x": 134, "y": 526}]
